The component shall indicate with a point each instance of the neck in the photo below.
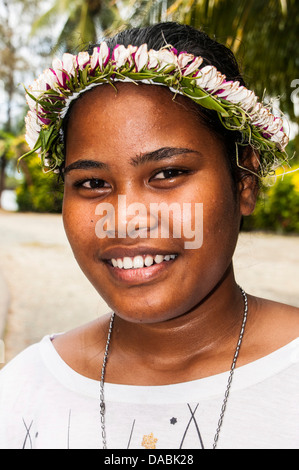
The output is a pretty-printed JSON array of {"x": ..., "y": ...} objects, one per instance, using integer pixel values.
[{"x": 203, "y": 338}]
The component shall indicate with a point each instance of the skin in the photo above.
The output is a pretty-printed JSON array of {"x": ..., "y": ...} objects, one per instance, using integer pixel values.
[{"x": 182, "y": 321}]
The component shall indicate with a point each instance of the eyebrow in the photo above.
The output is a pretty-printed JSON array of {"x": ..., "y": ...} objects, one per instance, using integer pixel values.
[
  {"x": 85, "y": 165},
  {"x": 160, "y": 154},
  {"x": 155, "y": 155}
]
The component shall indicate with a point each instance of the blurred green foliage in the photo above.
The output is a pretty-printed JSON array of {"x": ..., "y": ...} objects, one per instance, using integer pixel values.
[
  {"x": 39, "y": 192},
  {"x": 277, "y": 208}
]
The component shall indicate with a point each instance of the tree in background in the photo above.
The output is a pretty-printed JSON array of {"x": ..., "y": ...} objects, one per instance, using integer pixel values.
[
  {"x": 10, "y": 61},
  {"x": 6, "y": 154},
  {"x": 13, "y": 66},
  {"x": 77, "y": 22}
]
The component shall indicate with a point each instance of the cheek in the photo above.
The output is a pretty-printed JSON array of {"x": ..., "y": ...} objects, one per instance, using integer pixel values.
[
  {"x": 187, "y": 224},
  {"x": 219, "y": 224},
  {"x": 220, "y": 234},
  {"x": 79, "y": 224},
  {"x": 213, "y": 208},
  {"x": 220, "y": 216}
]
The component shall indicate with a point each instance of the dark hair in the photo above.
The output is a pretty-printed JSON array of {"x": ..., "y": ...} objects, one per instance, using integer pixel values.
[{"x": 185, "y": 38}]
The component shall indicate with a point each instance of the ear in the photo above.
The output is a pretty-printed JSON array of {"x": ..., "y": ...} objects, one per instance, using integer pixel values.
[{"x": 249, "y": 183}]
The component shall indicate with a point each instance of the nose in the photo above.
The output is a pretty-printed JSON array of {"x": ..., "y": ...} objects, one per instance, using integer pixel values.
[
  {"x": 126, "y": 218},
  {"x": 134, "y": 219}
]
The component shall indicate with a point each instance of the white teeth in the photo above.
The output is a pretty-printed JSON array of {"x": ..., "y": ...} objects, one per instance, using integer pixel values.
[
  {"x": 127, "y": 263},
  {"x": 139, "y": 261},
  {"x": 148, "y": 261}
]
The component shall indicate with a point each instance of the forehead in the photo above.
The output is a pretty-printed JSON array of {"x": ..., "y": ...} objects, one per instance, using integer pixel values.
[
  {"x": 128, "y": 99},
  {"x": 131, "y": 117}
]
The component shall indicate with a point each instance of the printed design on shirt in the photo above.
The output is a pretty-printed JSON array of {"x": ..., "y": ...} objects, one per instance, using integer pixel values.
[
  {"x": 149, "y": 441},
  {"x": 196, "y": 427},
  {"x": 131, "y": 434},
  {"x": 28, "y": 440},
  {"x": 27, "y": 444},
  {"x": 68, "y": 429}
]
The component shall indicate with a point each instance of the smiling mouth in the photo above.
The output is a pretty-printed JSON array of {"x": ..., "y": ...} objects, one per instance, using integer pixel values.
[{"x": 139, "y": 261}]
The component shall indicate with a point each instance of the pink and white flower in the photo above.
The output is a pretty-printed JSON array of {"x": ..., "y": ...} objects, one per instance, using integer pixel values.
[
  {"x": 69, "y": 64},
  {"x": 210, "y": 79},
  {"x": 254, "y": 113},
  {"x": 184, "y": 58},
  {"x": 38, "y": 87},
  {"x": 227, "y": 88},
  {"x": 262, "y": 118},
  {"x": 166, "y": 58},
  {"x": 196, "y": 63},
  {"x": 281, "y": 139},
  {"x": 104, "y": 55},
  {"x": 141, "y": 57},
  {"x": 94, "y": 59},
  {"x": 242, "y": 96},
  {"x": 32, "y": 129},
  {"x": 153, "y": 59},
  {"x": 132, "y": 51},
  {"x": 120, "y": 56},
  {"x": 57, "y": 68},
  {"x": 249, "y": 101},
  {"x": 83, "y": 59},
  {"x": 50, "y": 78},
  {"x": 100, "y": 56}
]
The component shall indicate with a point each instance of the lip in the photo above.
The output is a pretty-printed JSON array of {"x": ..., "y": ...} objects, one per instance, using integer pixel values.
[{"x": 138, "y": 275}]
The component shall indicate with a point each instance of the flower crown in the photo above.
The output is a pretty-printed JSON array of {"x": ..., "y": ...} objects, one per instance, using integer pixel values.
[{"x": 238, "y": 108}]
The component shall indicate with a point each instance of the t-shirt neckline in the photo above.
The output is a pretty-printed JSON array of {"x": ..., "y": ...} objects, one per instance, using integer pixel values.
[{"x": 199, "y": 389}]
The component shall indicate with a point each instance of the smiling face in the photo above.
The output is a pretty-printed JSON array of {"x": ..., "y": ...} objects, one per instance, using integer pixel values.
[{"x": 140, "y": 146}]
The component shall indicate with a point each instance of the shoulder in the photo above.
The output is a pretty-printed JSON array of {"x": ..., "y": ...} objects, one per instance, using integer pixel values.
[
  {"x": 272, "y": 325},
  {"x": 82, "y": 347},
  {"x": 279, "y": 317}
]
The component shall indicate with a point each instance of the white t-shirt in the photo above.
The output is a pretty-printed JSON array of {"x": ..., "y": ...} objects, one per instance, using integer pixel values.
[{"x": 44, "y": 404}]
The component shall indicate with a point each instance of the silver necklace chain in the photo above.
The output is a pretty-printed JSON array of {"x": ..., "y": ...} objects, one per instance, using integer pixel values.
[{"x": 229, "y": 382}]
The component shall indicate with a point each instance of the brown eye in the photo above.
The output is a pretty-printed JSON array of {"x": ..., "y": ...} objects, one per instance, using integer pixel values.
[
  {"x": 168, "y": 174},
  {"x": 92, "y": 183}
]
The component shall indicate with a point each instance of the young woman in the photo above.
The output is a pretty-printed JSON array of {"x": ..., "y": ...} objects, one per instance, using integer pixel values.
[{"x": 187, "y": 359}]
